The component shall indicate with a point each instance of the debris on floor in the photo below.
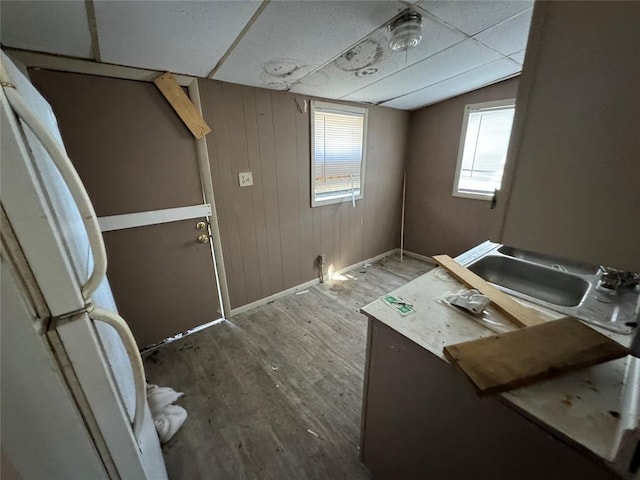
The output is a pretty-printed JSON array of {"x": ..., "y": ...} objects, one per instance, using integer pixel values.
[{"x": 168, "y": 418}]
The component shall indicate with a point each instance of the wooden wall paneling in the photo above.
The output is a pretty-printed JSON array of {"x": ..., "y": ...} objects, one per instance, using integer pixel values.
[
  {"x": 327, "y": 214},
  {"x": 346, "y": 211},
  {"x": 436, "y": 221},
  {"x": 215, "y": 105},
  {"x": 264, "y": 132},
  {"x": 257, "y": 194},
  {"x": 317, "y": 232},
  {"x": 243, "y": 201},
  {"x": 371, "y": 210},
  {"x": 287, "y": 173},
  {"x": 308, "y": 253},
  {"x": 266, "y": 139},
  {"x": 394, "y": 146},
  {"x": 335, "y": 229},
  {"x": 356, "y": 232},
  {"x": 337, "y": 224}
]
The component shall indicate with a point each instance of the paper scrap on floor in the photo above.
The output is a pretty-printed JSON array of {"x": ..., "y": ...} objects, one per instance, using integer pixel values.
[{"x": 399, "y": 305}]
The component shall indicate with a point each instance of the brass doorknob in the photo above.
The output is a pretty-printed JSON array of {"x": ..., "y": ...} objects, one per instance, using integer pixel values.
[
  {"x": 204, "y": 238},
  {"x": 201, "y": 225}
]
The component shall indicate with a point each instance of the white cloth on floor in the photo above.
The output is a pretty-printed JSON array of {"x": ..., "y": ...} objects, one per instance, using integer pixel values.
[
  {"x": 168, "y": 422},
  {"x": 160, "y": 397}
]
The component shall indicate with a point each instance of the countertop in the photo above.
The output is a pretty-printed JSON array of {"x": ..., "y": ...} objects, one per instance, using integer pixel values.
[{"x": 582, "y": 407}]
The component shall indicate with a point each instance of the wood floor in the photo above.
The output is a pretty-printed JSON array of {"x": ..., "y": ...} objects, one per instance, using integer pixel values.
[{"x": 276, "y": 393}]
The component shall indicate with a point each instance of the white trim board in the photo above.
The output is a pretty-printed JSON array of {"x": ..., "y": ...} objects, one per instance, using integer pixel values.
[
  {"x": 207, "y": 191},
  {"x": 303, "y": 286},
  {"x": 73, "y": 65},
  {"x": 418, "y": 256},
  {"x": 153, "y": 217}
]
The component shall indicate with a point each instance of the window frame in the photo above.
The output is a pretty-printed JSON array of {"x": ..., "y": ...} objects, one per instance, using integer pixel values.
[
  {"x": 468, "y": 109},
  {"x": 339, "y": 108}
]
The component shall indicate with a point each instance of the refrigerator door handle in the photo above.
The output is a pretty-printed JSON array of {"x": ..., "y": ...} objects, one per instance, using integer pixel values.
[
  {"x": 73, "y": 182},
  {"x": 120, "y": 326}
]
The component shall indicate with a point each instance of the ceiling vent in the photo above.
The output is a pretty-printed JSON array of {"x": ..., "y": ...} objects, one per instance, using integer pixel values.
[{"x": 406, "y": 31}]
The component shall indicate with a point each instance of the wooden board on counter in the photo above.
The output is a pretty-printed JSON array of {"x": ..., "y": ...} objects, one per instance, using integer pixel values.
[
  {"x": 515, "y": 359},
  {"x": 517, "y": 313}
]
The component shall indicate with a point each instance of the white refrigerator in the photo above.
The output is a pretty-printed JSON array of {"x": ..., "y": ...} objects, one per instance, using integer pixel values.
[{"x": 73, "y": 386}]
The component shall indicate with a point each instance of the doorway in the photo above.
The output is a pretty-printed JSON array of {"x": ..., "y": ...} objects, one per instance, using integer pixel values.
[{"x": 140, "y": 166}]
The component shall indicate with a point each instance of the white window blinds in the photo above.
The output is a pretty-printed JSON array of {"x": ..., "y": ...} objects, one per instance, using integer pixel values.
[
  {"x": 338, "y": 139},
  {"x": 485, "y": 149}
]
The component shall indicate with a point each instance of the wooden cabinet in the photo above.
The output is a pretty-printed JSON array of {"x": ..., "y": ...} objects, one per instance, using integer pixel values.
[
  {"x": 421, "y": 419},
  {"x": 574, "y": 159}
]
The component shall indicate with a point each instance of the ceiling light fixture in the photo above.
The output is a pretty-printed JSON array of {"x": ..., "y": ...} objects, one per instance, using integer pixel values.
[{"x": 406, "y": 31}]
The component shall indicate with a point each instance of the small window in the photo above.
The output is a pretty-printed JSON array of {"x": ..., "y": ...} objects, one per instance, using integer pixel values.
[
  {"x": 486, "y": 130},
  {"x": 337, "y": 153}
]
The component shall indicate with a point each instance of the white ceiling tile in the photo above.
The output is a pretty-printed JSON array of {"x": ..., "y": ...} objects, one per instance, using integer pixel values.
[
  {"x": 466, "y": 82},
  {"x": 472, "y": 17},
  {"x": 365, "y": 63},
  {"x": 518, "y": 57},
  {"x": 180, "y": 36},
  {"x": 59, "y": 27},
  {"x": 291, "y": 39},
  {"x": 510, "y": 36},
  {"x": 447, "y": 63}
]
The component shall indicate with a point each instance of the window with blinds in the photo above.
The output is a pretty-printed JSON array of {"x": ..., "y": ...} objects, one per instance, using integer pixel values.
[
  {"x": 337, "y": 153},
  {"x": 486, "y": 131}
]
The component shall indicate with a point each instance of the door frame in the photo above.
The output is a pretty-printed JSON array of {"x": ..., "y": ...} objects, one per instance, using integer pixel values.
[{"x": 29, "y": 59}]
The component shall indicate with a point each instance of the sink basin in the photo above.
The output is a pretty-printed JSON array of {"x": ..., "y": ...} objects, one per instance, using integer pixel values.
[
  {"x": 546, "y": 284},
  {"x": 560, "y": 264},
  {"x": 561, "y": 285}
]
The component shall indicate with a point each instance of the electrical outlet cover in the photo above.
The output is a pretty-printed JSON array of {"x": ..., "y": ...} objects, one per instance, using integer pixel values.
[{"x": 245, "y": 179}]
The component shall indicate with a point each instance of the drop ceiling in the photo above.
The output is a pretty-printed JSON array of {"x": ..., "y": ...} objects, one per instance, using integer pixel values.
[{"x": 331, "y": 49}]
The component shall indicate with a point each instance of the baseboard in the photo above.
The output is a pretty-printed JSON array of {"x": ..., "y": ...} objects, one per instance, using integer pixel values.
[
  {"x": 417, "y": 256},
  {"x": 305, "y": 285},
  {"x": 271, "y": 298}
]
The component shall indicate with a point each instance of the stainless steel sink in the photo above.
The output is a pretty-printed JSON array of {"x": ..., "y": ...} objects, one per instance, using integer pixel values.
[
  {"x": 549, "y": 285},
  {"x": 554, "y": 262},
  {"x": 566, "y": 287}
]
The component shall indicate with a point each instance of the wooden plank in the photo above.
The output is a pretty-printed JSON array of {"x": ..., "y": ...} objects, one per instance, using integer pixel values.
[
  {"x": 517, "y": 313},
  {"x": 180, "y": 102},
  {"x": 503, "y": 362}
]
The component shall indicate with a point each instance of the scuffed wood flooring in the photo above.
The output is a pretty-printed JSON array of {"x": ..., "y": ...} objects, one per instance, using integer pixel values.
[{"x": 255, "y": 386}]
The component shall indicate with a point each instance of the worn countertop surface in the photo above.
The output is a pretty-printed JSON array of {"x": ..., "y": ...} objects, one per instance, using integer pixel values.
[{"x": 582, "y": 407}]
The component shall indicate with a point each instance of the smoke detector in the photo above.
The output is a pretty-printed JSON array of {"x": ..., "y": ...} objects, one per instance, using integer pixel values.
[{"x": 406, "y": 31}]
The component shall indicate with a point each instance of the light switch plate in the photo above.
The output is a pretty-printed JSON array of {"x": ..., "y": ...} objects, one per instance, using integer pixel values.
[{"x": 245, "y": 179}]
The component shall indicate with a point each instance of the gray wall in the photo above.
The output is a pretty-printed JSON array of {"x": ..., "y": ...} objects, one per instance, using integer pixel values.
[
  {"x": 271, "y": 236},
  {"x": 575, "y": 190},
  {"x": 435, "y": 221}
]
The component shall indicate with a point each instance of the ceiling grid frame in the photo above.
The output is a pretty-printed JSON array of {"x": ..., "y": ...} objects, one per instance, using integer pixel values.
[
  {"x": 503, "y": 56},
  {"x": 473, "y": 32}
]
